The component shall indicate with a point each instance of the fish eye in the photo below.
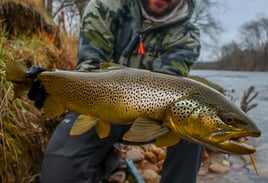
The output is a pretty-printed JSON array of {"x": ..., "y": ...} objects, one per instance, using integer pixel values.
[{"x": 229, "y": 119}]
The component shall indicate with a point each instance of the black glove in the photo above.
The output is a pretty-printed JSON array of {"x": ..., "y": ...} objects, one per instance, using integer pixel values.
[
  {"x": 37, "y": 92},
  {"x": 34, "y": 71}
]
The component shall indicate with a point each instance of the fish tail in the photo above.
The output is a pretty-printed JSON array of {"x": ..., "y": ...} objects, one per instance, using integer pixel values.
[{"x": 15, "y": 72}]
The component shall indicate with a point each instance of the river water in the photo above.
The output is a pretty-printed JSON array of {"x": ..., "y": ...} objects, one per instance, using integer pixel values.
[{"x": 236, "y": 83}]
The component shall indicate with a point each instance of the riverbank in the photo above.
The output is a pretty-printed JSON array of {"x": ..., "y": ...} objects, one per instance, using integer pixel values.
[
  {"x": 215, "y": 167},
  {"x": 236, "y": 83}
]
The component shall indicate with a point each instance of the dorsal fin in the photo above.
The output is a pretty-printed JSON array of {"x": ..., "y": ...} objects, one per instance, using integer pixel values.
[{"x": 110, "y": 66}]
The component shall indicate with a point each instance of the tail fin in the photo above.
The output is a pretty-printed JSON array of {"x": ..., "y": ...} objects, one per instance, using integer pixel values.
[{"x": 15, "y": 72}]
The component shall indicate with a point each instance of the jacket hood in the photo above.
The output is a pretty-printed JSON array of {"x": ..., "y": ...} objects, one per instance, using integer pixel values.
[{"x": 182, "y": 12}]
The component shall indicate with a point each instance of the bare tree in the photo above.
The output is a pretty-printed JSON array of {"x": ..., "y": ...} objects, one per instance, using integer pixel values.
[
  {"x": 251, "y": 52},
  {"x": 66, "y": 13},
  {"x": 48, "y": 6},
  {"x": 72, "y": 10},
  {"x": 81, "y": 4},
  {"x": 254, "y": 34},
  {"x": 203, "y": 17},
  {"x": 227, "y": 50},
  {"x": 76, "y": 7}
]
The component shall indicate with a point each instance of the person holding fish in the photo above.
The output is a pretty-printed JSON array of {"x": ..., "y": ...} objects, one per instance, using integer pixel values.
[{"x": 147, "y": 34}]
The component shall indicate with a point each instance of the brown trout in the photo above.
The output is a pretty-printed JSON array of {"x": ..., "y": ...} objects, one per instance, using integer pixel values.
[{"x": 160, "y": 107}]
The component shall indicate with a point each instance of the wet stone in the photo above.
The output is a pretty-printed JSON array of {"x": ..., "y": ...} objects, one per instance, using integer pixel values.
[
  {"x": 148, "y": 165},
  {"x": 150, "y": 156},
  {"x": 202, "y": 171},
  {"x": 150, "y": 176},
  {"x": 134, "y": 155},
  {"x": 226, "y": 163},
  {"x": 237, "y": 165},
  {"x": 218, "y": 168},
  {"x": 117, "y": 177}
]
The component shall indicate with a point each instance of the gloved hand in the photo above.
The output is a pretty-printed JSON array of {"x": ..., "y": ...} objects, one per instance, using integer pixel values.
[{"x": 37, "y": 92}]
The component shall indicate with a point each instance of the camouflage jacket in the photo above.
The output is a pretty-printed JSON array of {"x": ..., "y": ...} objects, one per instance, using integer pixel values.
[{"x": 114, "y": 30}]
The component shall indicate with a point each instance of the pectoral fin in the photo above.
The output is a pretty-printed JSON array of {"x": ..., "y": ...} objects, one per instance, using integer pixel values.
[
  {"x": 20, "y": 90},
  {"x": 145, "y": 130},
  {"x": 52, "y": 108},
  {"x": 167, "y": 140},
  {"x": 103, "y": 129},
  {"x": 82, "y": 124}
]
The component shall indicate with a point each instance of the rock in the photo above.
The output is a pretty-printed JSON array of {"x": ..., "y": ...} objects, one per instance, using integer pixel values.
[
  {"x": 156, "y": 150},
  {"x": 148, "y": 165},
  {"x": 161, "y": 155},
  {"x": 205, "y": 157},
  {"x": 226, "y": 163},
  {"x": 160, "y": 164},
  {"x": 146, "y": 147},
  {"x": 237, "y": 165},
  {"x": 236, "y": 160},
  {"x": 150, "y": 156},
  {"x": 202, "y": 171},
  {"x": 135, "y": 155},
  {"x": 218, "y": 168},
  {"x": 212, "y": 177},
  {"x": 150, "y": 176},
  {"x": 250, "y": 167},
  {"x": 117, "y": 177}
]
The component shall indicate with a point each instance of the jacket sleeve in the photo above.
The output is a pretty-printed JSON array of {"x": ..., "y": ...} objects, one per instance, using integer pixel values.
[
  {"x": 181, "y": 48},
  {"x": 95, "y": 37}
]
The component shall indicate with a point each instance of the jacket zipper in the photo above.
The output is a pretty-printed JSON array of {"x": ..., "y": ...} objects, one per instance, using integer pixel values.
[{"x": 141, "y": 49}]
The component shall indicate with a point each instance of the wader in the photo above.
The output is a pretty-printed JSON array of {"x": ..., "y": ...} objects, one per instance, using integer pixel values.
[{"x": 88, "y": 159}]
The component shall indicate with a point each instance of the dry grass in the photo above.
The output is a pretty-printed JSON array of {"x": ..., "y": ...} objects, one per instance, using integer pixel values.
[
  {"x": 25, "y": 17},
  {"x": 27, "y": 37},
  {"x": 23, "y": 132},
  {"x": 20, "y": 137}
]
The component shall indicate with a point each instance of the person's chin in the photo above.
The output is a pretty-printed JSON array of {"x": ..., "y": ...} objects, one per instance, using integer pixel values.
[{"x": 156, "y": 12}]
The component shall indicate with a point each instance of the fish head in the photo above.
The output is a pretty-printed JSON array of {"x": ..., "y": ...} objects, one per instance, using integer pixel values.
[{"x": 210, "y": 119}]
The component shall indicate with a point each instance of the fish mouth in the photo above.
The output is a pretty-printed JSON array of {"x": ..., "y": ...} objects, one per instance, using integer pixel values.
[
  {"x": 237, "y": 146},
  {"x": 236, "y": 143}
]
